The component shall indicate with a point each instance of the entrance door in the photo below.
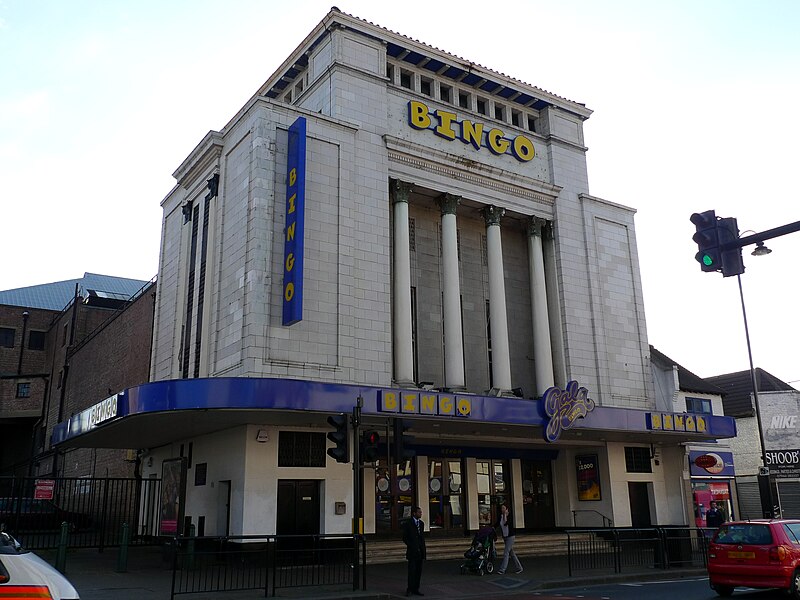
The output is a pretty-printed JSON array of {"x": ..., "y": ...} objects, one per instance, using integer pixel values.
[
  {"x": 224, "y": 510},
  {"x": 640, "y": 504},
  {"x": 537, "y": 495},
  {"x": 298, "y": 507},
  {"x": 445, "y": 495}
]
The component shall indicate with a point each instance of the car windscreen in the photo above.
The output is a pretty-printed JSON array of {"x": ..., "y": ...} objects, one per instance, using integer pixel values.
[{"x": 744, "y": 533}]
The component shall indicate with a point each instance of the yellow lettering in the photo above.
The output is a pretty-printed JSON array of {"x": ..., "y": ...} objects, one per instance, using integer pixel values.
[
  {"x": 497, "y": 143},
  {"x": 292, "y": 176},
  {"x": 289, "y": 262},
  {"x": 418, "y": 116},
  {"x": 655, "y": 421},
  {"x": 668, "y": 423},
  {"x": 389, "y": 401},
  {"x": 445, "y": 127},
  {"x": 288, "y": 293},
  {"x": 679, "y": 424},
  {"x": 464, "y": 407},
  {"x": 409, "y": 402},
  {"x": 290, "y": 232},
  {"x": 427, "y": 404},
  {"x": 522, "y": 149},
  {"x": 292, "y": 207},
  {"x": 445, "y": 405},
  {"x": 701, "y": 424},
  {"x": 690, "y": 425},
  {"x": 471, "y": 133}
]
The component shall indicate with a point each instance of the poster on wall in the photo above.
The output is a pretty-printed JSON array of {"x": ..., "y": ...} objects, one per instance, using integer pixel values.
[
  {"x": 588, "y": 474},
  {"x": 173, "y": 495}
]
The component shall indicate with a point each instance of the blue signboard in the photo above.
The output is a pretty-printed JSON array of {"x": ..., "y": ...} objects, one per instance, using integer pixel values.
[
  {"x": 711, "y": 463},
  {"x": 294, "y": 232}
]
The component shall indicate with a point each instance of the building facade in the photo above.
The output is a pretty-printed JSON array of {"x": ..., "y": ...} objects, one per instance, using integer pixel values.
[{"x": 387, "y": 229}]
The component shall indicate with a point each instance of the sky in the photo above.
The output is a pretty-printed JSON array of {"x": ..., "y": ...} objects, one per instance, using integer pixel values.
[{"x": 694, "y": 106}]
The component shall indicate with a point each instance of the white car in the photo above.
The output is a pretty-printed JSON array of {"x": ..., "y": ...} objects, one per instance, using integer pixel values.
[{"x": 24, "y": 575}]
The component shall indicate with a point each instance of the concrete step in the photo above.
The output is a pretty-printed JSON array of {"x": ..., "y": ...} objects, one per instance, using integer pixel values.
[{"x": 547, "y": 544}]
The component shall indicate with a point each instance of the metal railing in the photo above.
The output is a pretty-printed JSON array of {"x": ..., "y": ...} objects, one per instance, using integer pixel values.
[
  {"x": 235, "y": 563},
  {"x": 94, "y": 509},
  {"x": 626, "y": 549}
]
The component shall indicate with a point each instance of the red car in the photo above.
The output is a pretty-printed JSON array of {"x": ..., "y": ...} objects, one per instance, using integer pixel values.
[{"x": 757, "y": 554}]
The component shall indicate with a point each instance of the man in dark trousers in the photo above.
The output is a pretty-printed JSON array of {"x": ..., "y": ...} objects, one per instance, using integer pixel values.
[
  {"x": 714, "y": 516},
  {"x": 414, "y": 539}
]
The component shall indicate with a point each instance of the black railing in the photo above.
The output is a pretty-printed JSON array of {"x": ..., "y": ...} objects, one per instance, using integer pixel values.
[
  {"x": 95, "y": 509},
  {"x": 226, "y": 564},
  {"x": 626, "y": 549}
]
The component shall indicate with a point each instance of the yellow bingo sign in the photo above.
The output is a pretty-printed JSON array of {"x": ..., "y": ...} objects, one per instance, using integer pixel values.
[
  {"x": 423, "y": 403},
  {"x": 293, "y": 241},
  {"x": 682, "y": 422}
]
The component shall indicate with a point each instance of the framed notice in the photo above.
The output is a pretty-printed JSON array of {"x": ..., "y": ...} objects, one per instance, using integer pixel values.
[
  {"x": 173, "y": 495},
  {"x": 588, "y": 474}
]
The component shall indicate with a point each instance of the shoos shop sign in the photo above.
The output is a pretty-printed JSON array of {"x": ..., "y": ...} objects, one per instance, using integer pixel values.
[
  {"x": 446, "y": 125},
  {"x": 293, "y": 241}
]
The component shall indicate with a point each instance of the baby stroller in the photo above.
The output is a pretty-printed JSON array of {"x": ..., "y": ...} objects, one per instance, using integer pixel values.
[{"x": 481, "y": 553}]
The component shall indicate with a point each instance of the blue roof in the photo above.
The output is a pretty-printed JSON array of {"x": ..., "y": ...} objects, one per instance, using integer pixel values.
[{"x": 57, "y": 295}]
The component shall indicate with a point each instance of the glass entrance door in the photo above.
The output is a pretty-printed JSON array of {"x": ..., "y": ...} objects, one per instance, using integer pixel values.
[
  {"x": 493, "y": 489},
  {"x": 537, "y": 494},
  {"x": 445, "y": 491},
  {"x": 394, "y": 495}
]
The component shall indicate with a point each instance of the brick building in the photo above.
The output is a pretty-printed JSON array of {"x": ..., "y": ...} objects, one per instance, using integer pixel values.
[{"x": 389, "y": 226}]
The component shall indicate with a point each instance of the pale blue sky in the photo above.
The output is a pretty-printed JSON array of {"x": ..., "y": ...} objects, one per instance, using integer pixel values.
[{"x": 695, "y": 102}]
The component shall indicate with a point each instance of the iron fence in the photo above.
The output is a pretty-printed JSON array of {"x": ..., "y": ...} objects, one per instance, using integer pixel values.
[
  {"x": 226, "y": 564},
  {"x": 624, "y": 549},
  {"x": 95, "y": 509}
]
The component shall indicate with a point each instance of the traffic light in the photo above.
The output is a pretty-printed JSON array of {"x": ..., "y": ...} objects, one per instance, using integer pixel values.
[
  {"x": 400, "y": 450},
  {"x": 728, "y": 231},
  {"x": 369, "y": 446},
  {"x": 338, "y": 436},
  {"x": 707, "y": 239}
]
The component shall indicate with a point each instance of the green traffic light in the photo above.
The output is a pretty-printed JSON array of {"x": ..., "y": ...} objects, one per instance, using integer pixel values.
[{"x": 707, "y": 260}]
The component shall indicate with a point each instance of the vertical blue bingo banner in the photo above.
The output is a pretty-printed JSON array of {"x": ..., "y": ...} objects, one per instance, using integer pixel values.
[{"x": 293, "y": 242}]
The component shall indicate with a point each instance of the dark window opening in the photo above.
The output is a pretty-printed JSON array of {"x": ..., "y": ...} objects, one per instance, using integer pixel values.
[
  {"x": 516, "y": 118},
  {"x": 36, "y": 340},
  {"x": 489, "y": 344},
  {"x": 482, "y": 106},
  {"x": 7, "y": 337},
  {"x": 698, "y": 405},
  {"x": 445, "y": 93},
  {"x": 64, "y": 336},
  {"x": 531, "y": 123},
  {"x": 414, "y": 347},
  {"x": 426, "y": 86},
  {"x": 637, "y": 460},
  {"x": 23, "y": 390},
  {"x": 301, "y": 449},
  {"x": 499, "y": 112},
  {"x": 463, "y": 99},
  {"x": 406, "y": 79}
]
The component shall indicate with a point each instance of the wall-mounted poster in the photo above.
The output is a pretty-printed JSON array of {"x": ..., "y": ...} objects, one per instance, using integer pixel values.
[
  {"x": 588, "y": 474},
  {"x": 173, "y": 494}
]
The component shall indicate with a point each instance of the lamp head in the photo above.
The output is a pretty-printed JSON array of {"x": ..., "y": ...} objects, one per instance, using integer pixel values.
[{"x": 761, "y": 250}]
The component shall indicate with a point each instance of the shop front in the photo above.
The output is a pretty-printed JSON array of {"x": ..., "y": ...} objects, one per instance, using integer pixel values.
[{"x": 712, "y": 474}]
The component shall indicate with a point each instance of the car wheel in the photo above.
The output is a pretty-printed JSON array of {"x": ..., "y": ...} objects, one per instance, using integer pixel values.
[
  {"x": 723, "y": 590},
  {"x": 794, "y": 590}
]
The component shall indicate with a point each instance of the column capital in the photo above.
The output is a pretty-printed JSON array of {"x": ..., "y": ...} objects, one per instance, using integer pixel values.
[
  {"x": 448, "y": 203},
  {"x": 536, "y": 226},
  {"x": 492, "y": 214},
  {"x": 400, "y": 190}
]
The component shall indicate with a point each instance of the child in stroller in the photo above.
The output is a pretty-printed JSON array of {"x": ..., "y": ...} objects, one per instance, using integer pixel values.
[{"x": 481, "y": 553}]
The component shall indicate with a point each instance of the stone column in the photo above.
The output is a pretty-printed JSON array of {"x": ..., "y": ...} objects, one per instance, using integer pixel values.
[
  {"x": 501, "y": 362},
  {"x": 542, "y": 350},
  {"x": 451, "y": 308},
  {"x": 401, "y": 305}
]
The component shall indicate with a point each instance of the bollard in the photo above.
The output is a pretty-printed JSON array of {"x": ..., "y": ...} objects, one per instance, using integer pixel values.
[
  {"x": 190, "y": 548},
  {"x": 61, "y": 554},
  {"x": 122, "y": 557}
]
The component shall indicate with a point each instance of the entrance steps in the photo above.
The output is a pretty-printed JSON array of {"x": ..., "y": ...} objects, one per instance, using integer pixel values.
[{"x": 526, "y": 544}]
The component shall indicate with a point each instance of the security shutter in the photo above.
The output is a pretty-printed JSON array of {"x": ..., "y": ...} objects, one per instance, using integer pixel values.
[
  {"x": 749, "y": 499},
  {"x": 789, "y": 498}
]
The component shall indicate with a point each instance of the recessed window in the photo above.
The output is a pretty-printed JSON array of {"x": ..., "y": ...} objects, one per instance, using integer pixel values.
[
  {"x": 64, "y": 334},
  {"x": 426, "y": 86},
  {"x": 698, "y": 405},
  {"x": 637, "y": 460},
  {"x": 298, "y": 89},
  {"x": 499, "y": 112},
  {"x": 445, "y": 93},
  {"x": 531, "y": 123},
  {"x": 406, "y": 79},
  {"x": 23, "y": 390},
  {"x": 463, "y": 100},
  {"x": 516, "y": 118},
  {"x": 36, "y": 340},
  {"x": 288, "y": 96},
  {"x": 7, "y": 337},
  {"x": 482, "y": 106},
  {"x": 301, "y": 449}
]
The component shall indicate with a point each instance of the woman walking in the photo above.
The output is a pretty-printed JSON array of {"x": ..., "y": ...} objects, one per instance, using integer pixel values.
[{"x": 506, "y": 526}]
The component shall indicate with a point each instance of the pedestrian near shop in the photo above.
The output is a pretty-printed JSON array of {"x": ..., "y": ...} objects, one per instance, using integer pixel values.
[
  {"x": 414, "y": 539},
  {"x": 507, "y": 531}
]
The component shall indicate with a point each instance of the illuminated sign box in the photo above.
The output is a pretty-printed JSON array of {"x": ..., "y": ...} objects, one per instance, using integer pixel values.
[{"x": 293, "y": 248}]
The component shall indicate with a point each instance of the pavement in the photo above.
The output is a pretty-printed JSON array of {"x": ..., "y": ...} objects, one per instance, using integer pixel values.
[{"x": 149, "y": 576}]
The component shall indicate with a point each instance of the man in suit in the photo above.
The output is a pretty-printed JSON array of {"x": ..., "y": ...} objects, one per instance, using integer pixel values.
[{"x": 414, "y": 539}]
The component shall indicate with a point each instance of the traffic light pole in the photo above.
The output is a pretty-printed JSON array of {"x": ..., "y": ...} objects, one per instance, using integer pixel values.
[
  {"x": 764, "y": 484},
  {"x": 358, "y": 510}
]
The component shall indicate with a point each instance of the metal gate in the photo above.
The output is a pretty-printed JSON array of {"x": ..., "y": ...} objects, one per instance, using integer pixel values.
[{"x": 33, "y": 509}]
